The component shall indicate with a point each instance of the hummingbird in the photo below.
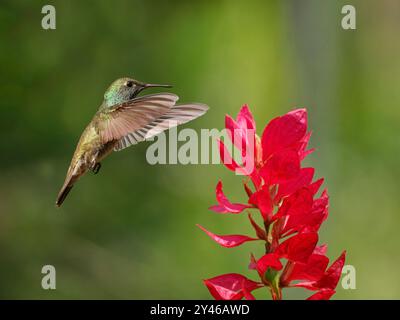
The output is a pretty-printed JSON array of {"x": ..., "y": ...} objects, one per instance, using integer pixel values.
[{"x": 124, "y": 119}]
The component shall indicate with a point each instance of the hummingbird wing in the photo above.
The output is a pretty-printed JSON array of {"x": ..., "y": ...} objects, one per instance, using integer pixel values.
[
  {"x": 178, "y": 114},
  {"x": 120, "y": 120}
]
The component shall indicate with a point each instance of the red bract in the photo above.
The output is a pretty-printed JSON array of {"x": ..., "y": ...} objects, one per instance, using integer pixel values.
[
  {"x": 281, "y": 166},
  {"x": 227, "y": 241},
  {"x": 291, "y": 213},
  {"x": 269, "y": 260},
  {"x": 231, "y": 286},
  {"x": 329, "y": 279},
  {"x": 225, "y": 206},
  {"x": 324, "y": 294},
  {"x": 288, "y": 131},
  {"x": 290, "y": 186},
  {"x": 299, "y": 247},
  {"x": 242, "y": 130},
  {"x": 262, "y": 200}
]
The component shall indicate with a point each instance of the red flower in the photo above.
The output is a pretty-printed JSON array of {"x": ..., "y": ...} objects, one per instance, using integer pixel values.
[
  {"x": 290, "y": 186},
  {"x": 286, "y": 197},
  {"x": 312, "y": 270},
  {"x": 269, "y": 260},
  {"x": 329, "y": 279},
  {"x": 242, "y": 134},
  {"x": 225, "y": 206},
  {"x": 228, "y": 241},
  {"x": 288, "y": 131},
  {"x": 281, "y": 166},
  {"x": 323, "y": 294},
  {"x": 262, "y": 200},
  {"x": 299, "y": 247},
  {"x": 241, "y": 131},
  {"x": 231, "y": 286}
]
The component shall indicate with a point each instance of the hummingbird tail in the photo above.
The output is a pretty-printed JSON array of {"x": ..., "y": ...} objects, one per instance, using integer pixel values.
[{"x": 63, "y": 194}]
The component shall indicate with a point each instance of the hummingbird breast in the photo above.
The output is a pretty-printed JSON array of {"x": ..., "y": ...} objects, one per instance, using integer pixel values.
[{"x": 89, "y": 151}]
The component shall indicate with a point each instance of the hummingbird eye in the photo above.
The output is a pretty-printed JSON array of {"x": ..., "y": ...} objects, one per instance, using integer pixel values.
[{"x": 129, "y": 84}]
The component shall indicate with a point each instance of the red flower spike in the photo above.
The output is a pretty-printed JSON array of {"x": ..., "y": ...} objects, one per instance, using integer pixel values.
[
  {"x": 230, "y": 286},
  {"x": 225, "y": 206},
  {"x": 299, "y": 247},
  {"x": 284, "y": 194},
  {"x": 284, "y": 132},
  {"x": 324, "y": 294},
  {"x": 227, "y": 241}
]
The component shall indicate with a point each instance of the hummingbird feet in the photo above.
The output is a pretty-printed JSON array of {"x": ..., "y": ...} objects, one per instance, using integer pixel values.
[{"x": 96, "y": 168}]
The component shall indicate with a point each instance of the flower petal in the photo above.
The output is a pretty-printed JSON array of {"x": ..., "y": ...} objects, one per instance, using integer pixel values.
[
  {"x": 245, "y": 118},
  {"x": 299, "y": 247},
  {"x": 242, "y": 131},
  {"x": 281, "y": 167},
  {"x": 321, "y": 249},
  {"x": 330, "y": 278},
  {"x": 314, "y": 187},
  {"x": 333, "y": 273},
  {"x": 226, "y": 158},
  {"x": 230, "y": 286},
  {"x": 262, "y": 200},
  {"x": 303, "y": 153},
  {"x": 299, "y": 203},
  {"x": 225, "y": 206},
  {"x": 235, "y": 133},
  {"x": 284, "y": 132},
  {"x": 324, "y": 294},
  {"x": 269, "y": 260},
  {"x": 312, "y": 270},
  {"x": 246, "y": 293},
  {"x": 288, "y": 187},
  {"x": 227, "y": 241}
]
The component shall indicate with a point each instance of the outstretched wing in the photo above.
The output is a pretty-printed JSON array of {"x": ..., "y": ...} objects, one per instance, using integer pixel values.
[
  {"x": 122, "y": 119},
  {"x": 173, "y": 117}
]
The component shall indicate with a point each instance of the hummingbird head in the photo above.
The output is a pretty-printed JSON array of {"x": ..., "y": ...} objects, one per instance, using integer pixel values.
[{"x": 125, "y": 89}]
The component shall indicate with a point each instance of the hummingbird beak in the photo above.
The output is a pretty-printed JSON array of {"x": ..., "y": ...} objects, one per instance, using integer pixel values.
[
  {"x": 152, "y": 85},
  {"x": 141, "y": 86}
]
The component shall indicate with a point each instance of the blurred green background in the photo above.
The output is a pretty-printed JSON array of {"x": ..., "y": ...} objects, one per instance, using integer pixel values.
[{"x": 130, "y": 232}]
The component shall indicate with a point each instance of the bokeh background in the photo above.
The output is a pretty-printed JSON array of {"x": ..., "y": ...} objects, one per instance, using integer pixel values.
[{"x": 130, "y": 232}]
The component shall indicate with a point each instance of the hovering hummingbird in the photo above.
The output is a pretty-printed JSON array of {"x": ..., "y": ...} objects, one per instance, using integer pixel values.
[{"x": 122, "y": 120}]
